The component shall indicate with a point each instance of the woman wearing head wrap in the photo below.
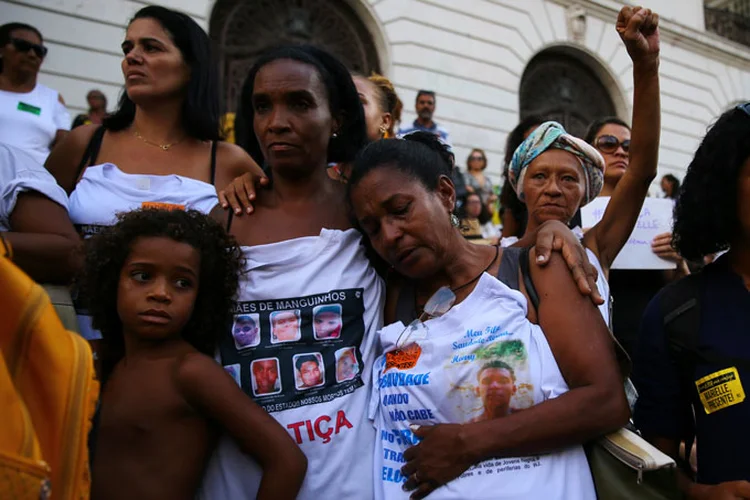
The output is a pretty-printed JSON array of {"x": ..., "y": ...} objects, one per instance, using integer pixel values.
[{"x": 555, "y": 174}]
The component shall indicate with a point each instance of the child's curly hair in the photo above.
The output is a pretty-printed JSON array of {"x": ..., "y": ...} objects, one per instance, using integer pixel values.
[{"x": 220, "y": 265}]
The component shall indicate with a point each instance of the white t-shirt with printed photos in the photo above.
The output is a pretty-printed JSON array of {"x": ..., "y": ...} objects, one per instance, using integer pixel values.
[{"x": 318, "y": 304}]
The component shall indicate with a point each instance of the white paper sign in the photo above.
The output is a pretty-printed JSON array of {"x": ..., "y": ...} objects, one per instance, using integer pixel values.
[{"x": 655, "y": 219}]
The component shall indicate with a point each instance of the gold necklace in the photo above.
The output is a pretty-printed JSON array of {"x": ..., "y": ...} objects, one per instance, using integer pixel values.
[{"x": 163, "y": 147}]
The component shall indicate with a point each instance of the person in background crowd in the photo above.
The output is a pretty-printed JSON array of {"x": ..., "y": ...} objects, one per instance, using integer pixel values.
[
  {"x": 394, "y": 104},
  {"x": 161, "y": 147},
  {"x": 161, "y": 284},
  {"x": 34, "y": 221},
  {"x": 701, "y": 390},
  {"x": 33, "y": 116},
  {"x": 631, "y": 289},
  {"x": 403, "y": 198},
  {"x": 611, "y": 137},
  {"x": 476, "y": 225},
  {"x": 476, "y": 181},
  {"x": 555, "y": 174},
  {"x": 425, "y": 108},
  {"x": 514, "y": 213},
  {"x": 97, "y": 102},
  {"x": 379, "y": 99},
  {"x": 670, "y": 185}
]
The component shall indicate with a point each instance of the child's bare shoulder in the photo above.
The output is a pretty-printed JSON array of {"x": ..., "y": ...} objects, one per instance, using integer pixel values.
[{"x": 193, "y": 365}]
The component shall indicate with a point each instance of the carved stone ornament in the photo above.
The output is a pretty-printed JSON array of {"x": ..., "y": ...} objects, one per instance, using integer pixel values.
[{"x": 576, "y": 17}]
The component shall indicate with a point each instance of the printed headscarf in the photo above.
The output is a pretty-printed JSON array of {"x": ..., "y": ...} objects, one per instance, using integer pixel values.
[{"x": 551, "y": 135}]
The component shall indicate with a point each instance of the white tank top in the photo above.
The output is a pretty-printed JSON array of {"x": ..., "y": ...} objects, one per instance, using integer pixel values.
[
  {"x": 105, "y": 191},
  {"x": 302, "y": 345},
  {"x": 29, "y": 121},
  {"x": 436, "y": 380}
]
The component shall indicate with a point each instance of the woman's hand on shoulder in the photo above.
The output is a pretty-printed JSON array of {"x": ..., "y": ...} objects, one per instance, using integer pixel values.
[
  {"x": 555, "y": 236},
  {"x": 67, "y": 154},
  {"x": 237, "y": 183},
  {"x": 639, "y": 30}
]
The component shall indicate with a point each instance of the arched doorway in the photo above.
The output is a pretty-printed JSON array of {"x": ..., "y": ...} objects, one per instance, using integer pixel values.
[
  {"x": 245, "y": 28},
  {"x": 560, "y": 87}
]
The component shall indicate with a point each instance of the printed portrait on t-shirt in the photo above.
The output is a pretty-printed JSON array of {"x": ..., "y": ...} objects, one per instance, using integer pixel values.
[
  {"x": 347, "y": 366},
  {"x": 309, "y": 370},
  {"x": 234, "y": 372},
  {"x": 490, "y": 381},
  {"x": 285, "y": 326},
  {"x": 246, "y": 331},
  {"x": 264, "y": 374},
  {"x": 496, "y": 385},
  {"x": 327, "y": 321}
]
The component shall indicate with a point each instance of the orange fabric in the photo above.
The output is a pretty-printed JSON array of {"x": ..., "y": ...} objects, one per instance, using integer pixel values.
[{"x": 47, "y": 386}]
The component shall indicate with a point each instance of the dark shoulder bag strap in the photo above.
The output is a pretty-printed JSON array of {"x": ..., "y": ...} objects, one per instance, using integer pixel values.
[
  {"x": 527, "y": 282},
  {"x": 91, "y": 152}
]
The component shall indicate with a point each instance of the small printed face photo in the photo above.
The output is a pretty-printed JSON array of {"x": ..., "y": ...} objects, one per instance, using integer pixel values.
[
  {"x": 264, "y": 375},
  {"x": 246, "y": 331},
  {"x": 327, "y": 322},
  {"x": 285, "y": 326},
  {"x": 309, "y": 370},
  {"x": 347, "y": 366},
  {"x": 234, "y": 372}
]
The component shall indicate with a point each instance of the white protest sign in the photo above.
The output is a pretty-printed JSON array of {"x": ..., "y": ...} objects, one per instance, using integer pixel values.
[{"x": 655, "y": 219}]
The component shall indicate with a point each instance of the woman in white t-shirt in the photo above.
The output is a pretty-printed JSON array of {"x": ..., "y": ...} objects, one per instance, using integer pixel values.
[
  {"x": 161, "y": 148},
  {"x": 33, "y": 117},
  {"x": 528, "y": 397}
]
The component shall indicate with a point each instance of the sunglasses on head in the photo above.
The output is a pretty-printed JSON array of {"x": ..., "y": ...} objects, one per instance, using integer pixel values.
[
  {"x": 744, "y": 107},
  {"x": 610, "y": 143},
  {"x": 25, "y": 46}
]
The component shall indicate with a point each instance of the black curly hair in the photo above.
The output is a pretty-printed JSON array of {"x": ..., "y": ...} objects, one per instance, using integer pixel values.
[
  {"x": 107, "y": 252},
  {"x": 705, "y": 215}
]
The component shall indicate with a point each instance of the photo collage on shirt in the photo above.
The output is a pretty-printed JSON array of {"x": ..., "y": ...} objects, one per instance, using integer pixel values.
[{"x": 291, "y": 352}]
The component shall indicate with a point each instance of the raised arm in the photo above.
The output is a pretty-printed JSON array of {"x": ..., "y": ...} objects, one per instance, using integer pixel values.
[
  {"x": 594, "y": 405},
  {"x": 212, "y": 392},
  {"x": 639, "y": 31}
]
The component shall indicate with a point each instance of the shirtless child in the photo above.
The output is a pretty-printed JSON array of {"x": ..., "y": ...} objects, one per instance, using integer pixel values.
[{"x": 161, "y": 285}]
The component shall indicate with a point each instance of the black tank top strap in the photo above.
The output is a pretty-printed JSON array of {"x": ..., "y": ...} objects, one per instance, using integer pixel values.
[
  {"x": 406, "y": 308},
  {"x": 91, "y": 153},
  {"x": 213, "y": 163}
]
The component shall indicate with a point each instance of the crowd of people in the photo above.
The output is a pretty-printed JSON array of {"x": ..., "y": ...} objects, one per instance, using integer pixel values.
[{"x": 303, "y": 299}]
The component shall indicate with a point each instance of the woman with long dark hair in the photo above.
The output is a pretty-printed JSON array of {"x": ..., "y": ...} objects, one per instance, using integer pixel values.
[
  {"x": 693, "y": 352},
  {"x": 161, "y": 147}
]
